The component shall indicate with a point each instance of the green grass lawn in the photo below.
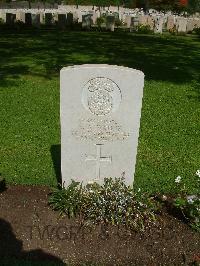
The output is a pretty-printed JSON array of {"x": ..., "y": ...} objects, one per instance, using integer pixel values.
[{"x": 30, "y": 62}]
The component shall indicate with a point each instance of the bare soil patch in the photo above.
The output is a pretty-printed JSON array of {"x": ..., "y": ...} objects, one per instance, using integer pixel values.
[{"x": 30, "y": 230}]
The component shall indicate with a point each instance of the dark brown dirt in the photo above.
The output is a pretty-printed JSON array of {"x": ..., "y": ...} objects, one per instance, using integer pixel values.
[{"x": 30, "y": 229}]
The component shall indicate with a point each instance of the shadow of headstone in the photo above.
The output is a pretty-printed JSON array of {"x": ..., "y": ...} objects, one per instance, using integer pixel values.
[
  {"x": 56, "y": 158},
  {"x": 2, "y": 184}
]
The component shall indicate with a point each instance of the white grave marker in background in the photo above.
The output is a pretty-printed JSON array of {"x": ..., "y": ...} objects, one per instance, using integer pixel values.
[{"x": 100, "y": 121}]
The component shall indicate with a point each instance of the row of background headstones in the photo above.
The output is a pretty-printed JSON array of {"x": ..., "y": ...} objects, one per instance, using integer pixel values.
[{"x": 87, "y": 18}]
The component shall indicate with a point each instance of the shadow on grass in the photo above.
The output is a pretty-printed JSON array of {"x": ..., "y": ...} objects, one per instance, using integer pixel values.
[
  {"x": 44, "y": 53},
  {"x": 11, "y": 250},
  {"x": 195, "y": 92},
  {"x": 2, "y": 184},
  {"x": 56, "y": 158}
]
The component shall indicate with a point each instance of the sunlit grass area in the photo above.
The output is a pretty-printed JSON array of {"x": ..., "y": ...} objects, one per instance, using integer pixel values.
[{"x": 30, "y": 62}]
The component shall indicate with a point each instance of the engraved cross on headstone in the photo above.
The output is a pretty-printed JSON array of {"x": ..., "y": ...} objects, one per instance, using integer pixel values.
[{"x": 98, "y": 160}]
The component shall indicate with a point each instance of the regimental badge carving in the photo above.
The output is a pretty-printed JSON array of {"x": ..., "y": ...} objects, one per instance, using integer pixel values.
[
  {"x": 100, "y": 102},
  {"x": 101, "y": 97}
]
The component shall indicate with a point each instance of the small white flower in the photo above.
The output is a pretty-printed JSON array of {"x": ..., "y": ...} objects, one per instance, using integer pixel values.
[
  {"x": 198, "y": 173},
  {"x": 178, "y": 179},
  {"x": 164, "y": 197},
  {"x": 190, "y": 199},
  {"x": 139, "y": 189}
]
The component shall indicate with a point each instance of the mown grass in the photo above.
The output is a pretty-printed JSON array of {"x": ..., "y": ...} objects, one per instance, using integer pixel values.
[{"x": 30, "y": 62}]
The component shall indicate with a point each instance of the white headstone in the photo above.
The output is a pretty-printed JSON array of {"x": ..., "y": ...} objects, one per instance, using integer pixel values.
[
  {"x": 143, "y": 20},
  {"x": 79, "y": 17},
  {"x": 75, "y": 17},
  {"x": 110, "y": 23},
  {"x": 100, "y": 120},
  {"x": 86, "y": 22},
  {"x": 35, "y": 20},
  {"x": 135, "y": 21},
  {"x": 3, "y": 15},
  {"x": 20, "y": 16},
  {"x": 170, "y": 22},
  {"x": 55, "y": 17},
  {"x": 181, "y": 25},
  {"x": 42, "y": 18},
  {"x": 150, "y": 22},
  {"x": 190, "y": 25},
  {"x": 128, "y": 21},
  {"x": 196, "y": 23},
  {"x": 158, "y": 25},
  {"x": 94, "y": 17}
]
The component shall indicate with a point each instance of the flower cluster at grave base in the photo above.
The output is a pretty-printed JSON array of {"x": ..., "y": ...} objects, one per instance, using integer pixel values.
[
  {"x": 112, "y": 203},
  {"x": 189, "y": 205}
]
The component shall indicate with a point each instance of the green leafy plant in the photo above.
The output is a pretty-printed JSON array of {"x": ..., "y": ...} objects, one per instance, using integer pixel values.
[
  {"x": 100, "y": 21},
  {"x": 1, "y": 21},
  {"x": 144, "y": 29},
  {"x": 173, "y": 30},
  {"x": 189, "y": 205},
  {"x": 19, "y": 24},
  {"x": 112, "y": 203},
  {"x": 118, "y": 22},
  {"x": 197, "y": 31},
  {"x": 67, "y": 201}
]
